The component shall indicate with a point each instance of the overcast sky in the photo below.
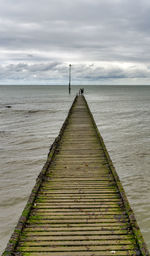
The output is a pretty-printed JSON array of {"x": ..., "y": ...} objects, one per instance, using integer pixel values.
[{"x": 106, "y": 41}]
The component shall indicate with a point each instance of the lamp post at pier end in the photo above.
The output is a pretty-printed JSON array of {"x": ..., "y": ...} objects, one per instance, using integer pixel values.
[{"x": 69, "y": 78}]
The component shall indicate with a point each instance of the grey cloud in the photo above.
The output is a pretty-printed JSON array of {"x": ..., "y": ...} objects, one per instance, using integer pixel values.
[
  {"x": 75, "y": 31},
  {"x": 52, "y": 71}
]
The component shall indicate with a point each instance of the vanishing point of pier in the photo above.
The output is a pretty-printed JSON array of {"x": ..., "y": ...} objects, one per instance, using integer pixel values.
[{"x": 78, "y": 206}]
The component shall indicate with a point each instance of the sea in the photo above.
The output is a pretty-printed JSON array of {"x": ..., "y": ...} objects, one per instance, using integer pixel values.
[{"x": 30, "y": 119}]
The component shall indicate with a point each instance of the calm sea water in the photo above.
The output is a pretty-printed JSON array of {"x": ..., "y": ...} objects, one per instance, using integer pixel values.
[{"x": 28, "y": 128}]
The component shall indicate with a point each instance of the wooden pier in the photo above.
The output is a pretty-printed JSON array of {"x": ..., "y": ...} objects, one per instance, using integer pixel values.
[{"x": 78, "y": 206}]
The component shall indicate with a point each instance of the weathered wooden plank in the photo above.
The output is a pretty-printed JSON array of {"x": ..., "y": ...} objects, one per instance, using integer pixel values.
[
  {"x": 79, "y": 211},
  {"x": 86, "y": 253},
  {"x": 108, "y": 238},
  {"x": 79, "y": 226},
  {"x": 79, "y": 181},
  {"x": 76, "y": 205},
  {"x": 83, "y": 242},
  {"x": 69, "y": 221},
  {"x": 76, "y": 248},
  {"x": 61, "y": 235},
  {"x": 77, "y": 199},
  {"x": 75, "y": 231},
  {"x": 89, "y": 217}
]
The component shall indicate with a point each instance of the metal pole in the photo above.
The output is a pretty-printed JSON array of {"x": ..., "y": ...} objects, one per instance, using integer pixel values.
[{"x": 69, "y": 78}]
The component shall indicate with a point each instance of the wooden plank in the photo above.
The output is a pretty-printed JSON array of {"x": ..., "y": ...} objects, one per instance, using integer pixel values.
[
  {"x": 83, "y": 242},
  {"x": 79, "y": 227},
  {"x": 86, "y": 217},
  {"x": 108, "y": 238},
  {"x": 71, "y": 234},
  {"x": 86, "y": 253},
  {"x": 76, "y": 248},
  {"x": 99, "y": 213},
  {"x": 84, "y": 221},
  {"x": 77, "y": 199}
]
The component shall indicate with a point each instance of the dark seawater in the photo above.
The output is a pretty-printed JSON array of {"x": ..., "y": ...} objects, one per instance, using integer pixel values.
[{"x": 30, "y": 119}]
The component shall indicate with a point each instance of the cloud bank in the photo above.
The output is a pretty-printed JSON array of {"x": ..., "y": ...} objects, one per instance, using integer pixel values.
[{"x": 107, "y": 42}]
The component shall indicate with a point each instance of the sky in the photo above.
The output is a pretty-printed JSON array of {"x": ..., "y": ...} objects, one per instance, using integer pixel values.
[{"x": 106, "y": 41}]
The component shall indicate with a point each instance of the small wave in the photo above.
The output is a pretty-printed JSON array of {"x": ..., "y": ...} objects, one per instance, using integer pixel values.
[
  {"x": 13, "y": 201},
  {"x": 41, "y": 111},
  {"x": 33, "y": 111},
  {"x": 4, "y": 133},
  {"x": 36, "y": 111}
]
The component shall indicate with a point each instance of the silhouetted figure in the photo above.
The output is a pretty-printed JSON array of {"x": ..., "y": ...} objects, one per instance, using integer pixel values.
[{"x": 81, "y": 91}]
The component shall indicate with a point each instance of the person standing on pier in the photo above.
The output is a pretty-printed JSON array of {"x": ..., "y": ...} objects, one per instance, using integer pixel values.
[{"x": 81, "y": 91}]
